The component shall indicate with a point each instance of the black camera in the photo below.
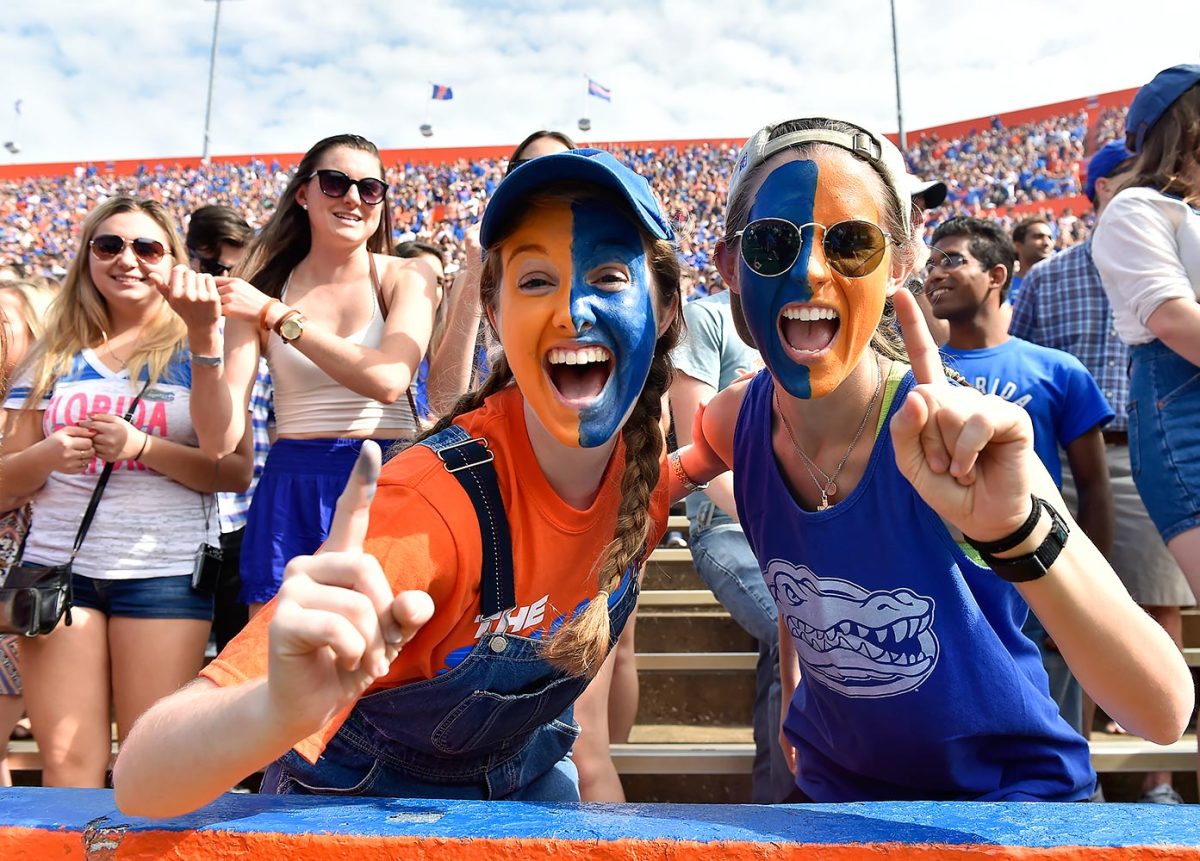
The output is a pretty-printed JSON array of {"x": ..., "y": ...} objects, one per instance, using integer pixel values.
[{"x": 206, "y": 570}]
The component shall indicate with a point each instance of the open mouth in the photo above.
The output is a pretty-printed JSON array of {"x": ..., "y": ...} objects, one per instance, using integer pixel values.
[
  {"x": 348, "y": 217},
  {"x": 936, "y": 293},
  {"x": 808, "y": 330},
  {"x": 579, "y": 374}
]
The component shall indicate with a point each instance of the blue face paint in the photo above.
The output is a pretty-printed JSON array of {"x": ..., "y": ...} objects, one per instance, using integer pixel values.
[
  {"x": 788, "y": 192},
  {"x": 619, "y": 318}
]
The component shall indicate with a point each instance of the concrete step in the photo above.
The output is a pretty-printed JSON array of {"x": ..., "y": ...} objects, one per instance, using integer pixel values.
[
  {"x": 711, "y": 630},
  {"x": 671, "y": 568}
]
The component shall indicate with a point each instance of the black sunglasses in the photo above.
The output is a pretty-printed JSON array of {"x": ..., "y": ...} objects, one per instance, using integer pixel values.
[
  {"x": 334, "y": 183},
  {"x": 210, "y": 265},
  {"x": 771, "y": 246},
  {"x": 109, "y": 245}
]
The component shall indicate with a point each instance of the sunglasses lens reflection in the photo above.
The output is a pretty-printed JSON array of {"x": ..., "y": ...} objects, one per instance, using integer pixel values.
[
  {"x": 334, "y": 183},
  {"x": 770, "y": 246},
  {"x": 108, "y": 246},
  {"x": 854, "y": 248}
]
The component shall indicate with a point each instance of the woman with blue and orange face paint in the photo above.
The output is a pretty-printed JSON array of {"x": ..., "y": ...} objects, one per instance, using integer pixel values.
[
  {"x": 905, "y": 672},
  {"x": 436, "y": 643}
]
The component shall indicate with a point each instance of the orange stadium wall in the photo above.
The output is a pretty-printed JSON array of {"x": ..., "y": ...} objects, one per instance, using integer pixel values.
[
  {"x": 436, "y": 155},
  {"x": 38, "y": 824}
]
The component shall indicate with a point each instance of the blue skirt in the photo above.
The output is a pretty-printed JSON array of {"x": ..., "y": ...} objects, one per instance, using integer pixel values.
[
  {"x": 1164, "y": 436},
  {"x": 292, "y": 508}
]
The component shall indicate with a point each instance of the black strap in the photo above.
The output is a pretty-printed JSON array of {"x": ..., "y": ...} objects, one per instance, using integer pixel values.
[
  {"x": 100, "y": 484},
  {"x": 469, "y": 460}
]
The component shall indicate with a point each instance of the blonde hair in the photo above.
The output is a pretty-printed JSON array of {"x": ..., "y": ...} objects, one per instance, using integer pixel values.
[
  {"x": 34, "y": 297},
  {"x": 581, "y": 645},
  {"x": 78, "y": 316}
]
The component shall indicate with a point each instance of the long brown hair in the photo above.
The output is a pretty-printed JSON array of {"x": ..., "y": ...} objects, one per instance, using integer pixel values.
[
  {"x": 580, "y": 646},
  {"x": 287, "y": 237},
  {"x": 78, "y": 316},
  {"x": 1170, "y": 156}
]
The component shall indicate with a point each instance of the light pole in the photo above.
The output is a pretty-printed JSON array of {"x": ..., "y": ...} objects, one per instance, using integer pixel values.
[
  {"x": 212, "y": 65},
  {"x": 896, "y": 64}
]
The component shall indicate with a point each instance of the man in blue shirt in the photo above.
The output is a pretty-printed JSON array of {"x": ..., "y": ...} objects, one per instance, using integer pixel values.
[
  {"x": 1063, "y": 305},
  {"x": 968, "y": 277}
]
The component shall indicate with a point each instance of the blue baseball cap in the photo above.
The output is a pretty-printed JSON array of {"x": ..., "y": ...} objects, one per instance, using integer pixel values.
[
  {"x": 588, "y": 166},
  {"x": 1152, "y": 100},
  {"x": 1107, "y": 159}
]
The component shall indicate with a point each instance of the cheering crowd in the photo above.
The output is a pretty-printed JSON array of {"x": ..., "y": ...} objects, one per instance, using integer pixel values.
[{"x": 216, "y": 360}]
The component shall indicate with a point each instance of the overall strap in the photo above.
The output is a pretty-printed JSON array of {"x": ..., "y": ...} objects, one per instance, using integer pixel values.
[{"x": 469, "y": 460}]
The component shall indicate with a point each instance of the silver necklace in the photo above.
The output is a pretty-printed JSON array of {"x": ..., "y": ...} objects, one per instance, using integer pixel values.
[{"x": 829, "y": 487}]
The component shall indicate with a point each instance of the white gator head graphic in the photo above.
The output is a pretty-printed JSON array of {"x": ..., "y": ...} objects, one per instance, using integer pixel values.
[{"x": 858, "y": 643}]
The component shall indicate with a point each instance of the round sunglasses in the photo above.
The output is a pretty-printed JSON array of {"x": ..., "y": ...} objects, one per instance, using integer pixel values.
[
  {"x": 771, "y": 246},
  {"x": 109, "y": 245},
  {"x": 334, "y": 183}
]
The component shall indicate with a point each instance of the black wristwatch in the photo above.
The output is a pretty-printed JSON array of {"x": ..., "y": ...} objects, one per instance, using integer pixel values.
[{"x": 1031, "y": 566}]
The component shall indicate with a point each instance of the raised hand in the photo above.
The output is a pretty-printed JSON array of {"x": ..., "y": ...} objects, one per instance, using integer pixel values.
[
  {"x": 114, "y": 438},
  {"x": 970, "y": 456},
  {"x": 337, "y": 627},
  {"x": 193, "y": 296}
]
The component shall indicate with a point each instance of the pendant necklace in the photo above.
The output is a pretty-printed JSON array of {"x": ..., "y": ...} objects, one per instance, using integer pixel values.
[{"x": 828, "y": 487}]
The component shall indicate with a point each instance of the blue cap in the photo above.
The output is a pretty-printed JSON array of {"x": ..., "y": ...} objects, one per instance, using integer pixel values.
[
  {"x": 1103, "y": 163},
  {"x": 1152, "y": 100},
  {"x": 587, "y": 166}
]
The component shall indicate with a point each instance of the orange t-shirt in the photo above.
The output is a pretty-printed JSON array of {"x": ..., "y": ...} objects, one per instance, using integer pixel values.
[{"x": 425, "y": 534}]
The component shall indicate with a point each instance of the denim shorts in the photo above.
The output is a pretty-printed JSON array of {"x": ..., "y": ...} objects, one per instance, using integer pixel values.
[
  {"x": 143, "y": 598},
  {"x": 1164, "y": 436}
]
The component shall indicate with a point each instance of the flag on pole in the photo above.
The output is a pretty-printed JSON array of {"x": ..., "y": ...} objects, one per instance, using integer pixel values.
[
  {"x": 17, "y": 106},
  {"x": 599, "y": 91},
  {"x": 442, "y": 93}
]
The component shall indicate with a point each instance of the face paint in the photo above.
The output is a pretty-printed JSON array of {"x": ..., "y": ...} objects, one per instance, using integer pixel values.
[
  {"x": 811, "y": 357},
  {"x": 576, "y": 318}
]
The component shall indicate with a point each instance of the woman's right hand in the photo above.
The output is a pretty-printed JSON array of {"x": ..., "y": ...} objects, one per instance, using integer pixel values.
[
  {"x": 69, "y": 449},
  {"x": 241, "y": 300},
  {"x": 337, "y": 627},
  {"x": 193, "y": 296}
]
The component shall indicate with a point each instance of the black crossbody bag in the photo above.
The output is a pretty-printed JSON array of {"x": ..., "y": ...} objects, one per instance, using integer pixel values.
[{"x": 34, "y": 597}]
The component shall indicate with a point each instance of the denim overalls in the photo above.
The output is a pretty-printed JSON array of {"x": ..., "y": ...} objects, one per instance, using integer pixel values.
[{"x": 498, "y": 725}]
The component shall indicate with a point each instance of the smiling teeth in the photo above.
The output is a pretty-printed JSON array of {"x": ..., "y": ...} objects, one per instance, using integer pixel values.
[
  {"x": 578, "y": 357},
  {"x": 810, "y": 313}
]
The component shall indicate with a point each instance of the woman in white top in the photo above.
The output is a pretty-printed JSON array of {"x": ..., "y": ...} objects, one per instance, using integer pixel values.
[
  {"x": 343, "y": 328},
  {"x": 138, "y": 627},
  {"x": 1147, "y": 249}
]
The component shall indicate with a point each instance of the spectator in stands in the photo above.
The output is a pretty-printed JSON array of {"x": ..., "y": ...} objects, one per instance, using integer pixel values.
[
  {"x": 1147, "y": 249},
  {"x": 435, "y": 257},
  {"x": 139, "y": 627},
  {"x": 710, "y": 357},
  {"x": 1063, "y": 306},
  {"x": 1034, "y": 241},
  {"x": 968, "y": 276},
  {"x": 216, "y": 241},
  {"x": 343, "y": 326},
  {"x": 585, "y": 442},
  {"x": 23, "y": 307},
  {"x": 908, "y": 648}
]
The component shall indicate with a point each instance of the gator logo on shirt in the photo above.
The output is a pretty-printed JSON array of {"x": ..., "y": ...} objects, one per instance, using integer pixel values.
[{"x": 853, "y": 641}]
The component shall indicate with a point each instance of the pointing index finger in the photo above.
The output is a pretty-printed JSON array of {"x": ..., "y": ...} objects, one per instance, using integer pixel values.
[
  {"x": 352, "y": 515},
  {"x": 922, "y": 350}
]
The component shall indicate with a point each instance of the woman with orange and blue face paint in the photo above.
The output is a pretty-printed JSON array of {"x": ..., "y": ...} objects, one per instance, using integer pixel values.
[
  {"x": 436, "y": 643},
  {"x": 905, "y": 672}
]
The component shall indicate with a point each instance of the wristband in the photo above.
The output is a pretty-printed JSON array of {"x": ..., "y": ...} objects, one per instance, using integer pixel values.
[
  {"x": 207, "y": 361},
  {"x": 684, "y": 479},
  {"x": 1013, "y": 539},
  {"x": 142, "y": 450},
  {"x": 1031, "y": 566},
  {"x": 262, "y": 315}
]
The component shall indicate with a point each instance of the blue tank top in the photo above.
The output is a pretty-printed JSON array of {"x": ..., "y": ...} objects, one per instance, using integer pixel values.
[{"x": 916, "y": 681}]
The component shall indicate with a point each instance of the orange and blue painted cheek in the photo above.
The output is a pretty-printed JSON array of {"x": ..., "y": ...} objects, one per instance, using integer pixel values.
[
  {"x": 615, "y": 315},
  {"x": 789, "y": 192}
]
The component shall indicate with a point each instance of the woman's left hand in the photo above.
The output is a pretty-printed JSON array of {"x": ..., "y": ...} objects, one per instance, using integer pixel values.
[
  {"x": 968, "y": 455},
  {"x": 115, "y": 439},
  {"x": 240, "y": 299}
]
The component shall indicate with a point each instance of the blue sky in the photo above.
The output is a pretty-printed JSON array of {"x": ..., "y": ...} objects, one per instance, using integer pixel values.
[{"x": 127, "y": 78}]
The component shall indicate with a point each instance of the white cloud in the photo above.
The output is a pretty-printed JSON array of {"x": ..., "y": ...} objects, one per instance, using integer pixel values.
[{"x": 127, "y": 79}]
